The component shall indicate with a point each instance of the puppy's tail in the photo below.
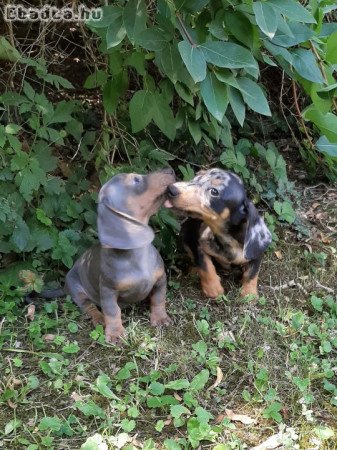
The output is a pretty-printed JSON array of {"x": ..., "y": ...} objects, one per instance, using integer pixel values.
[{"x": 48, "y": 294}]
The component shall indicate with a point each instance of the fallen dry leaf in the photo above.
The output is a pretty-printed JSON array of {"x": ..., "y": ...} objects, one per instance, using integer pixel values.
[
  {"x": 49, "y": 337},
  {"x": 168, "y": 422},
  {"x": 219, "y": 377},
  {"x": 272, "y": 442},
  {"x": 177, "y": 397},
  {"x": 278, "y": 254},
  {"x": 239, "y": 417},
  {"x": 76, "y": 397},
  {"x": 11, "y": 404},
  {"x": 30, "y": 312}
]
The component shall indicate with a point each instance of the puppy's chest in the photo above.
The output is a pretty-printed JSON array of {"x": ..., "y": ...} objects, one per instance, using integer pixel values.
[{"x": 225, "y": 249}]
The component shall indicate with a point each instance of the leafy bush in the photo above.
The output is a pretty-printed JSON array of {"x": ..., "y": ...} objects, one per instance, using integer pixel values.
[{"x": 181, "y": 76}]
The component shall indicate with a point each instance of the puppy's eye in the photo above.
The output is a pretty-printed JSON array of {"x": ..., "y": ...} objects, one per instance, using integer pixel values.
[
  {"x": 214, "y": 192},
  {"x": 136, "y": 180}
]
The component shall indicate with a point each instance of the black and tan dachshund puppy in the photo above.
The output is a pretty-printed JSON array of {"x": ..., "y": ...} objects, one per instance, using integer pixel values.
[
  {"x": 124, "y": 268},
  {"x": 224, "y": 225}
]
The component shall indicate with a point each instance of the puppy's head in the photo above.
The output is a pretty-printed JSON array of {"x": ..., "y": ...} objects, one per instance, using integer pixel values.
[
  {"x": 219, "y": 199},
  {"x": 126, "y": 203}
]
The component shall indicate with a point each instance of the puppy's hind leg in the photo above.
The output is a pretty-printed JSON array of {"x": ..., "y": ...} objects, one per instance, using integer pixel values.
[{"x": 74, "y": 288}]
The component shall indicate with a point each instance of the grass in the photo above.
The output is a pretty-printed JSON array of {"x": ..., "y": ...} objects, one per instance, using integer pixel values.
[{"x": 273, "y": 360}]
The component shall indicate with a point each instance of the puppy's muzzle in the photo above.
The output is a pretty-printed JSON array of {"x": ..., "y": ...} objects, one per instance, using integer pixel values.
[{"x": 172, "y": 191}]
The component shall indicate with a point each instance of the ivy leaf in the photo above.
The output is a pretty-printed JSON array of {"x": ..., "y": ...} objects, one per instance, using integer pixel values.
[
  {"x": 157, "y": 388},
  {"x": 305, "y": 65},
  {"x": 237, "y": 104},
  {"x": 285, "y": 211},
  {"x": 140, "y": 109},
  {"x": 327, "y": 123},
  {"x": 162, "y": 115},
  {"x": 115, "y": 33},
  {"x": 21, "y": 235},
  {"x": 327, "y": 147},
  {"x": 254, "y": 96},
  {"x": 194, "y": 60},
  {"x": 109, "y": 14},
  {"x": 178, "y": 410},
  {"x": 134, "y": 18},
  {"x": 293, "y": 10},
  {"x": 331, "y": 49},
  {"x": 299, "y": 33},
  {"x": 265, "y": 18},
  {"x": 153, "y": 39},
  {"x": 214, "y": 95},
  {"x": 50, "y": 423},
  {"x": 228, "y": 54}
]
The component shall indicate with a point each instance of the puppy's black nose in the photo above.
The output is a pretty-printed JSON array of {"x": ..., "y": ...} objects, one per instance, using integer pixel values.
[{"x": 172, "y": 191}]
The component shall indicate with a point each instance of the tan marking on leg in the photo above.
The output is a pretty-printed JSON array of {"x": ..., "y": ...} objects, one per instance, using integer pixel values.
[
  {"x": 210, "y": 281},
  {"x": 96, "y": 316},
  {"x": 249, "y": 286}
]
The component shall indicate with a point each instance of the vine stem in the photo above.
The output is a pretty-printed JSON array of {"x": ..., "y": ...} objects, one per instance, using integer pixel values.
[
  {"x": 322, "y": 69},
  {"x": 298, "y": 110},
  {"x": 187, "y": 34}
]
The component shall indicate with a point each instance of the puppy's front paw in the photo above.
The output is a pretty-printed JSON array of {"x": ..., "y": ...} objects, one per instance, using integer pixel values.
[
  {"x": 114, "y": 335},
  {"x": 160, "y": 318},
  {"x": 97, "y": 318},
  {"x": 212, "y": 290}
]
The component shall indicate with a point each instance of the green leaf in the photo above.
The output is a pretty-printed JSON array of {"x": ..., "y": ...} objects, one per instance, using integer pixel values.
[
  {"x": 178, "y": 385},
  {"x": 266, "y": 18},
  {"x": 109, "y": 14},
  {"x": 50, "y": 423},
  {"x": 140, "y": 109},
  {"x": 195, "y": 130},
  {"x": 41, "y": 216},
  {"x": 317, "y": 303},
  {"x": 90, "y": 408},
  {"x": 327, "y": 123},
  {"x": 237, "y": 24},
  {"x": 170, "y": 444},
  {"x": 157, "y": 388},
  {"x": 21, "y": 234},
  {"x": 128, "y": 425},
  {"x": 324, "y": 433},
  {"x": 331, "y": 49},
  {"x": 229, "y": 55},
  {"x": 137, "y": 60},
  {"x": 285, "y": 211},
  {"x": 134, "y": 18},
  {"x": 215, "y": 96},
  {"x": 11, "y": 426},
  {"x": 7, "y": 51},
  {"x": 194, "y": 60},
  {"x": 12, "y": 128},
  {"x": 152, "y": 39},
  {"x": 96, "y": 79},
  {"x": 305, "y": 64},
  {"x": 237, "y": 104},
  {"x": 72, "y": 347},
  {"x": 299, "y": 33},
  {"x": 273, "y": 412},
  {"x": 190, "y": 5},
  {"x": 178, "y": 410},
  {"x": 325, "y": 146},
  {"x": 293, "y": 10},
  {"x": 113, "y": 90},
  {"x": 200, "y": 380},
  {"x": 115, "y": 33},
  {"x": 162, "y": 115},
  {"x": 62, "y": 112},
  {"x": 254, "y": 96}
]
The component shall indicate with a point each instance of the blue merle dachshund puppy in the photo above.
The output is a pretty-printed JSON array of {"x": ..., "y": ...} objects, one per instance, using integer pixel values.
[{"x": 223, "y": 224}]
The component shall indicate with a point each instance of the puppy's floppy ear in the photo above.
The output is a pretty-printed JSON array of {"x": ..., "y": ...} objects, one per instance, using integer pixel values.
[
  {"x": 121, "y": 231},
  {"x": 258, "y": 237}
]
